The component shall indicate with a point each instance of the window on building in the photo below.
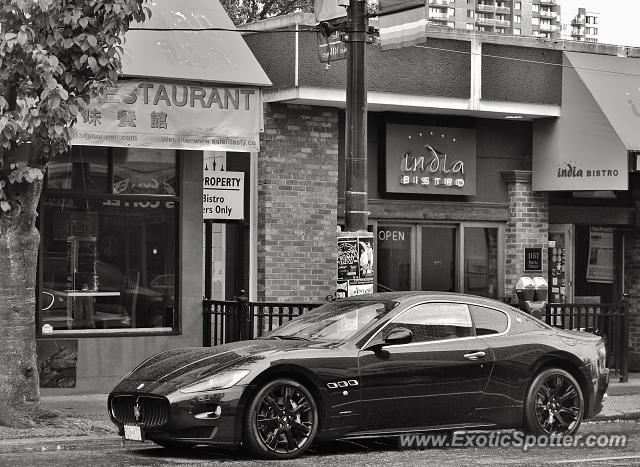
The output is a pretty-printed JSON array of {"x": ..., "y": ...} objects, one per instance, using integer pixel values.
[
  {"x": 470, "y": 26},
  {"x": 108, "y": 223},
  {"x": 517, "y": 5},
  {"x": 535, "y": 21},
  {"x": 435, "y": 321},
  {"x": 470, "y": 13},
  {"x": 517, "y": 19},
  {"x": 517, "y": 31}
]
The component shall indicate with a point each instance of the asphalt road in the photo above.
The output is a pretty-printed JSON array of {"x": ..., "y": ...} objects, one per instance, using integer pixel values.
[{"x": 379, "y": 452}]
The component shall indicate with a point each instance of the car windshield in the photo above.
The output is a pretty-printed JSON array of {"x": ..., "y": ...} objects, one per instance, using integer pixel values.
[{"x": 337, "y": 320}]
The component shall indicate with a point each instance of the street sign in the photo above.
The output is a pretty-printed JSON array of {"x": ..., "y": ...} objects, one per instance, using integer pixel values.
[{"x": 331, "y": 48}]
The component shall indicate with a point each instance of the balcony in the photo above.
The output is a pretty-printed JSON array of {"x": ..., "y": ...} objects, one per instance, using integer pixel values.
[
  {"x": 440, "y": 3},
  {"x": 441, "y": 17},
  {"x": 485, "y": 21},
  {"x": 486, "y": 8},
  {"x": 548, "y": 14},
  {"x": 548, "y": 2},
  {"x": 503, "y": 9},
  {"x": 502, "y": 22},
  {"x": 548, "y": 27}
]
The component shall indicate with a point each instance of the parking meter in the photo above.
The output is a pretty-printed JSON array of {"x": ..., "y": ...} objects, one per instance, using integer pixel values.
[{"x": 532, "y": 295}]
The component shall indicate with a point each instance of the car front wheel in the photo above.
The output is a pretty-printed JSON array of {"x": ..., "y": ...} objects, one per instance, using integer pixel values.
[
  {"x": 555, "y": 404},
  {"x": 281, "y": 420}
]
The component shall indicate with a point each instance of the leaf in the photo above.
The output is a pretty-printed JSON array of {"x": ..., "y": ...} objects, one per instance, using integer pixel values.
[
  {"x": 5, "y": 206},
  {"x": 22, "y": 37},
  {"x": 84, "y": 22},
  {"x": 92, "y": 40},
  {"x": 93, "y": 64}
]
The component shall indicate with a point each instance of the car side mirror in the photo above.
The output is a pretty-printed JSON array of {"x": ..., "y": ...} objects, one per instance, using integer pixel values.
[{"x": 398, "y": 336}]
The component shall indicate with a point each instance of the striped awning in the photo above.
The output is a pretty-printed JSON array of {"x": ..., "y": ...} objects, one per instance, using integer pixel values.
[{"x": 402, "y": 23}]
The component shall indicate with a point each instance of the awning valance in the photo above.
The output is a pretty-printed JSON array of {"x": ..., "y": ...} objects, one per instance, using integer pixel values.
[
  {"x": 586, "y": 148},
  {"x": 161, "y": 115}
]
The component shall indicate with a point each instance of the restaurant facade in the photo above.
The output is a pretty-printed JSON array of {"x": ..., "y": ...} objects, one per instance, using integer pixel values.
[
  {"x": 122, "y": 214},
  {"x": 488, "y": 159}
]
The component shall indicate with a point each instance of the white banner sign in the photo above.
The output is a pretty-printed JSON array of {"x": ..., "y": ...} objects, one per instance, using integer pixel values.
[
  {"x": 147, "y": 114},
  {"x": 222, "y": 195}
]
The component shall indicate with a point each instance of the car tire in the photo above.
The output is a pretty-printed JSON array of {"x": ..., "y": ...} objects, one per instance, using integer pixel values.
[
  {"x": 281, "y": 420},
  {"x": 554, "y": 404}
]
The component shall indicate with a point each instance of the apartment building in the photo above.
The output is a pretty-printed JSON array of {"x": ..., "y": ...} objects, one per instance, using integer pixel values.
[
  {"x": 583, "y": 27},
  {"x": 539, "y": 18}
]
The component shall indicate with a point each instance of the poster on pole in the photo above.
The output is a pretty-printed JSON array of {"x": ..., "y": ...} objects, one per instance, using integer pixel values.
[
  {"x": 600, "y": 265},
  {"x": 355, "y": 264}
]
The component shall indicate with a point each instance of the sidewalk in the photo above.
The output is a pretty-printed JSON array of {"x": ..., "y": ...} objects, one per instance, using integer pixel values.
[{"x": 84, "y": 418}]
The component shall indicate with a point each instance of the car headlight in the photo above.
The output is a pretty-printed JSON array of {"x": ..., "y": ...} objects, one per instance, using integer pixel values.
[{"x": 222, "y": 380}]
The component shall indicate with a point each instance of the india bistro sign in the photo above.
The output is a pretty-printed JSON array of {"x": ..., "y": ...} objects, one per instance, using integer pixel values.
[
  {"x": 430, "y": 160},
  {"x": 147, "y": 114}
]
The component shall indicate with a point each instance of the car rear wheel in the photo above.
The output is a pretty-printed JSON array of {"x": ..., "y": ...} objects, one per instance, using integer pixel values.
[
  {"x": 281, "y": 420},
  {"x": 555, "y": 404}
]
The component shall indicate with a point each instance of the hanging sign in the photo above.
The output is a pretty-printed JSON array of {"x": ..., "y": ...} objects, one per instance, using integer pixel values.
[
  {"x": 222, "y": 195},
  {"x": 148, "y": 114}
]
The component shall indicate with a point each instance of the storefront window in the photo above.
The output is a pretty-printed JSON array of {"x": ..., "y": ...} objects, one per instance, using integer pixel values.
[
  {"x": 108, "y": 258},
  {"x": 481, "y": 261}
]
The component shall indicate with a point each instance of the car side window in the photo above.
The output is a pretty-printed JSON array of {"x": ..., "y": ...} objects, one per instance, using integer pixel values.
[
  {"x": 435, "y": 321},
  {"x": 488, "y": 321}
]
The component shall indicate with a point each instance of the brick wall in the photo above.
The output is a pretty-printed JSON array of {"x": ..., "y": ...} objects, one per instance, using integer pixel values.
[
  {"x": 297, "y": 203},
  {"x": 528, "y": 226},
  {"x": 632, "y": 288}
]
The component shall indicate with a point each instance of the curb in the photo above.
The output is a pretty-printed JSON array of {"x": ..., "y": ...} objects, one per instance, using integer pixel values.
[
  {"x": 65, "y": 443},
  {"x": 625, "y": 416}
]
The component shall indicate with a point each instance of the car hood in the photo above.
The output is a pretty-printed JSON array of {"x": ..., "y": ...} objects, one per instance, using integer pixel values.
[{"x": 172, "y": 369}]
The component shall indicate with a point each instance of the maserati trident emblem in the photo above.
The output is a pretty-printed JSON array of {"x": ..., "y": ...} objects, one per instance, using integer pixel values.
[{"x": 137, "y": 410}]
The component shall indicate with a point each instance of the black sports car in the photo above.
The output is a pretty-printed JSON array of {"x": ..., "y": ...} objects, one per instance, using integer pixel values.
[{"x": 371, "y": 365}]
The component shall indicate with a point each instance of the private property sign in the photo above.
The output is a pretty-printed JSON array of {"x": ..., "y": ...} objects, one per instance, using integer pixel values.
[
  {"x": 147, "y": 114},
  {"x": 222, "y": 195}
]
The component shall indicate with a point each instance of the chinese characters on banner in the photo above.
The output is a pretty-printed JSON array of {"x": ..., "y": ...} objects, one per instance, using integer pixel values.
[
  {"x": 355, "y": 264},
  {"x": 600, "y": 265},
  {"x": 156, "y": 115}
]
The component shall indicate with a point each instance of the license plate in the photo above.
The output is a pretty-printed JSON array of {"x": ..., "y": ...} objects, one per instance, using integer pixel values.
[{"x": 133, "y": 432}]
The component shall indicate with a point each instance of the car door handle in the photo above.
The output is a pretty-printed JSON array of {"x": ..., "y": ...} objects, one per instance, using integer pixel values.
[{"x": 474, "y": 355}]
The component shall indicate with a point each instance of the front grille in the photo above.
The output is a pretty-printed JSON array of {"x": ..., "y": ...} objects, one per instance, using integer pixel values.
[{"x": 134, "y": 409}]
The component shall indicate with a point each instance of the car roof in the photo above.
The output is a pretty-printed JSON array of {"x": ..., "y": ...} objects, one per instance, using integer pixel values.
[{"x": 431, "y": 295}]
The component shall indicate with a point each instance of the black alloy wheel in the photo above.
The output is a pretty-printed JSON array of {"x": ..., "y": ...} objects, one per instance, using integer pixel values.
[
  {"x": 555, "y": 404},
  {"x": 281, "y": 420}
]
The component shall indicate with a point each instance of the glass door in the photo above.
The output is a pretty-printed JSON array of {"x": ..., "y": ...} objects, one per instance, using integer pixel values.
[
  {"x": 395, "y": 250},
  {"x": 438, "y": 258},
  {"x": 561, "y": 263}
]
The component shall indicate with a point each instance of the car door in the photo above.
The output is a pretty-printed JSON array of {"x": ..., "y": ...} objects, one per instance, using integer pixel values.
[{"x": 435, "y": 379}]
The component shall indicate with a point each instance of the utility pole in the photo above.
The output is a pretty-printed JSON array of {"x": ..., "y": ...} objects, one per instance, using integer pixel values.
[
  {"x": 355, "y": 245},
  {"x": 355, "y": 197}
]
